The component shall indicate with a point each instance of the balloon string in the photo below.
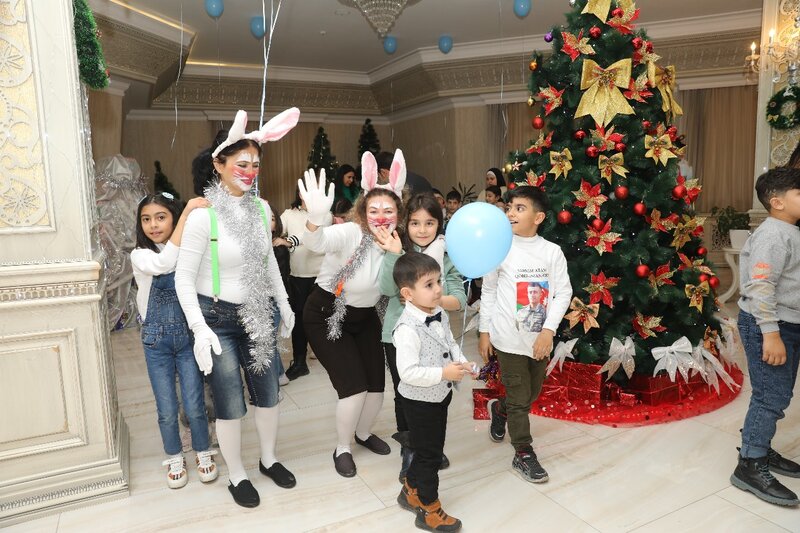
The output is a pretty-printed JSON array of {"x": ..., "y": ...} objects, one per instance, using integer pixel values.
[
  {"x": 273, "y": 21},
  {"x": 177, "y": 81},
  {"x": 464, "y": 320}
]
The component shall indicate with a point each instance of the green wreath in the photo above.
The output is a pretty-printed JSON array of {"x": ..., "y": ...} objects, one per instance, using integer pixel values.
[{"x": 775, "y": 115}]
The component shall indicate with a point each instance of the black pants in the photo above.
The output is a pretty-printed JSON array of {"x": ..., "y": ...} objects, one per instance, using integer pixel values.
[
  {"x": 299, "y": 289},
  {"x": 428, "y": 423},
  {"x": 391, "y": 361}
]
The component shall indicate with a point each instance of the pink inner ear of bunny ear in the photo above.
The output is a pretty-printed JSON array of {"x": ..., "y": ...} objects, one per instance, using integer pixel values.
[
  {"x": 397, "y": 174},
  {"x": 369, "y": 171},
  {"x": 277, "y": 127}
]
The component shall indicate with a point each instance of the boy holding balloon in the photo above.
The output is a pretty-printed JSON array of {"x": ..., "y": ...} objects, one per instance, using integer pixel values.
[{"x": 522, "y": 303}]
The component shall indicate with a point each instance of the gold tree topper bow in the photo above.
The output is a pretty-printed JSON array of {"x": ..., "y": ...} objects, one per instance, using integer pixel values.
[
  {"x": 561, "y": 162},
  {"x": 612, "y": 165},
  {"x": 582, "y": 313},
  {"x": 603, "y": 99},
  {"x": 665, "y": 82}
]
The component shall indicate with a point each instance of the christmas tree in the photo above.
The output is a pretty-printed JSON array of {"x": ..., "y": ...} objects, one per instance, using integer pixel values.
[
  {"x": 368, "y": 141},
  {"x": 162, "y": 184},
  {"x": 91, "y": 63},
  {"x": 320, "y": 155},
  {"x": 607, "y": 154}
]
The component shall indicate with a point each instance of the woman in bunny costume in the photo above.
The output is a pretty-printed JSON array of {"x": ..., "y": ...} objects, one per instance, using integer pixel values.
[
  {"x": 227, "y": 280},
  {"x": 340, "y": 319}
]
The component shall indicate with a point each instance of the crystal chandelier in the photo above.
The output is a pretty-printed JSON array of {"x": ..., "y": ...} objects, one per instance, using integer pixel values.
[
  {"x": 782, "y": 54},
  {"x": 381, "y": 14}
]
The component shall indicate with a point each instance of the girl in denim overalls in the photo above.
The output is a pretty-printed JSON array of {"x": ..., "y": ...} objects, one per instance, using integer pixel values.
[{"x": 165, "y": 335}]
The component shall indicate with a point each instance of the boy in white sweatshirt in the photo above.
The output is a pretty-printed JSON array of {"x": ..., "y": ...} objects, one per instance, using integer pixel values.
[{"x": 522, "y": 303}]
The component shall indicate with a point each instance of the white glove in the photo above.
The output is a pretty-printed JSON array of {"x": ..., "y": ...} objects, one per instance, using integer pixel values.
[
  {"x": 287, "y": 319},
  {"x": 204, "y": 341},
  {"x": 318, "y": 204}
]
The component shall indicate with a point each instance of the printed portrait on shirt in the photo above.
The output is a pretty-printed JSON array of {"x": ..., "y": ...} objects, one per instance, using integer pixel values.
[{"x": 531, "y": 305}]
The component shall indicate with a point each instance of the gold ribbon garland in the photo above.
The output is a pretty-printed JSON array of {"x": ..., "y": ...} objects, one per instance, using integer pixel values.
[
  {"x": 603, "y": 99},
  {"x": 612, "y": 165},
  {"x": 665, "y": 82}
]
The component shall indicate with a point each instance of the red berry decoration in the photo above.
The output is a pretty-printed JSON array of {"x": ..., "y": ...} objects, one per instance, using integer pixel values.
[
  {"x": 595, "y": 32},
  {"x": 620, "y": 147},
  {"x": 704, "y": 277},
  {"x": 579, "y": 135},
  {"x": 618, "y": 12},
  {"x": 674, "y": 218},
  {"x": 637, "y": 43},
  {"x": 640, "y": 209},
  {"x": 646, "y": 125},
  {"x": 621, "y": 192},
  {"x": 597, "y": 224},
  {"x": 702, "y": 251},
  {"x": 714, "y": 282},
  {"x": 592, "y": 151},
  {"x": 537, "y": 123},
  {"x": 564, "y": 217},
  {"x": 642, "y": 271},
  {"x": 678, "y": 192}
]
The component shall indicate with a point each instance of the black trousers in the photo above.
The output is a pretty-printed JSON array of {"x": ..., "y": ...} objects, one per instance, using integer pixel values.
[
  {"x": 391, "y": 361},
  {"x": 299, "y": 289},
  {"x": 427, "y": 423}
]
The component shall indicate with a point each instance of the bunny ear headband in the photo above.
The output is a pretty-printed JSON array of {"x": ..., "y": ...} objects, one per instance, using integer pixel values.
[
  {"x": 273, "y": 130},
  {"x": 397, "y": 174}
]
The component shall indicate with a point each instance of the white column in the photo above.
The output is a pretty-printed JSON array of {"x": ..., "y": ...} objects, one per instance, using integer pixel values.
[{"x": 62, "y": 440}]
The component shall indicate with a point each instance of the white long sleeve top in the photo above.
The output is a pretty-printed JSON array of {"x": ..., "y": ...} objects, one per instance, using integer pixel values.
[
  {"x": 512, "y": 321},
  {"x": 146, "y": 264},
  {"x": 193, "y": 271},
  {"x": 303, "y": 263},
  {"x": 338, "y": 242}
]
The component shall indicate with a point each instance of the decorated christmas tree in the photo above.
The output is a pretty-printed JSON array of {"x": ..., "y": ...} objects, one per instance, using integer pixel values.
[
  {"x": 91, "y": 63},
  {"x": 368, "y": 141},
  {"x": 606, "y": 151},
  {"x": 320, "y": 155},
  {"x": 162, "y": 184}
]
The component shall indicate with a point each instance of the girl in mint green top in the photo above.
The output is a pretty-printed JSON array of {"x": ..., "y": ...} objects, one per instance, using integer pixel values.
[{"x": 424, "y": 230}]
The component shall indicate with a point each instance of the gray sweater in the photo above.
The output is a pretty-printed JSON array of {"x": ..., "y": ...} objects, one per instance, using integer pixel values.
[{"x": 769, "y": 270}]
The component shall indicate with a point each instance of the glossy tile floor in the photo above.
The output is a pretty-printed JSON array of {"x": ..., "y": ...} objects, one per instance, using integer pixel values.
[{"x": 671, "y": 477}]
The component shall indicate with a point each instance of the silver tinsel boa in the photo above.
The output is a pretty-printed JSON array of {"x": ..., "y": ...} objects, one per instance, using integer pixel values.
[
  {"x": 346, "y": 273},
  {"x": 243, "y": 221}
]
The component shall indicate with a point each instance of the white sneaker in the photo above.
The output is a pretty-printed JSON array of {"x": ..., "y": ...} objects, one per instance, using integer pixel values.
[
  {"x": 283, "y": 380},
  {"x": 206, "y": 467},
  {"x": 177, "y": 476}
]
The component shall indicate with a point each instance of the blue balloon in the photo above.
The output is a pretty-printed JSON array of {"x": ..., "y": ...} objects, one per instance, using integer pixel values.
[
  {"x": 522, "y": 8},
  {"x": 389, "y": 44},
  {"x": 445, "y": 43},
  {"x": 214, "y": 8},
  {"x": 478, "y": 238},
  {"x": 257, "y": 27}
]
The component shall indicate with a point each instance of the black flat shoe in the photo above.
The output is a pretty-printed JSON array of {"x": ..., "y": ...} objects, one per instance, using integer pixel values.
[
  {"x": 445, "y": 462},
  {"x": 375, "y": 445},
  {"x": 244, "y": 494},
  {"x": 278, "y": 473},
  {"x": 344, "y": 464},
  {"x": 296, "y": 370}
]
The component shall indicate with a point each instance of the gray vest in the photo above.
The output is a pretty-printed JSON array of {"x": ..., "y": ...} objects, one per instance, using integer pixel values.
[{"x": 434, "y": 352}]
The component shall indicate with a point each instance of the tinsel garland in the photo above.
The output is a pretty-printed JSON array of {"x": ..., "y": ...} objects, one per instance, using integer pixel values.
[
  {"x": 242, "y": 220},
  {"x": 343, "y": 276}
]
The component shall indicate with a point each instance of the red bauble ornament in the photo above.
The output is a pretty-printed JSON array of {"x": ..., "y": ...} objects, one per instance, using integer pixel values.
[
  {"x": 674, "y": 218},
  {"x": 620, "y": 147},
  {"x": 512, "y": 185},
  {"x": 678, "y": 192},
  {"x": 642, "y": 271},
  {"x": 702, "y": 251},
  {"x": 649, "y": 47},
  {"x": 618, "y": 12},
  {"x": 621, "y": 192},
  {"x": 597, "y": 224},
  {"x": 646, "y": 125},
  {"x": 564, "y": 217},
  {"x": 640, "y": 209},
  {"x": 714, "y": 282},
  {"x": 704, "y": 277},
  {"x": 637, "y": 43},
  {"x": 579, "y": 135},
  {"x": 537, "y": 123},
  {"x": 592, "y": 151},
  {"x": 595, "y": 32}
]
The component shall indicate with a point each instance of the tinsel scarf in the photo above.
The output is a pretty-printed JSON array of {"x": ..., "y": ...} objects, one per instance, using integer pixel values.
[
  {"x": 346, "y": 273},
  {"x": 243, "y": 221}
]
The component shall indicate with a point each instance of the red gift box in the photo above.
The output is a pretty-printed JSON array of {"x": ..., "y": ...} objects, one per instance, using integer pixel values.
[
  {"x": 480, "y": 397},
  {"x": 584, "y": 383},
  {"x": 654, "y": 390}
]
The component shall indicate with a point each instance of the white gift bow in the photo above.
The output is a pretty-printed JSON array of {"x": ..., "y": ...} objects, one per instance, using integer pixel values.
[
  {"x": 729, "y": 332},
  {"x": 676, "y": 357},
  {"x": 713, "y": 369},
  {"x": 620, "y": 354},
  {"x": 563, "y": 350}
]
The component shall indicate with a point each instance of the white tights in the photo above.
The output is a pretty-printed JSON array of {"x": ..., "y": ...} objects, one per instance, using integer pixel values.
[
  {"x": 355, "y": 415},
  {"x": 229, "y": 435}
]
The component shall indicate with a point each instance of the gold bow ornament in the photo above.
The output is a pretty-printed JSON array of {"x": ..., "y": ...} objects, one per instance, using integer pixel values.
[
  {"x": 658, "y": 147},
  {"x": 612, "y": 165},
  {"x": 696, "y": 293},
  {"x": 561, "y": 163},
  {"x": 598, "y": 8},
  {"x": 603, "y": 99},
  {"x": 665, "y": 82},
  {"x": 582, "y": 313}
]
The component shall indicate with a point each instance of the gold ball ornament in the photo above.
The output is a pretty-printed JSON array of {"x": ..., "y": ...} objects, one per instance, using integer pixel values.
[
  {"x": 507, "y": 168},
  {"x": 530, "y": 101},
  {"x": 533, "y": 65}
]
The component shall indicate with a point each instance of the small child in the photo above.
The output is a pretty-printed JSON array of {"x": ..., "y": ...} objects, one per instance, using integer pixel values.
[
  {"x": 452, "y": 204},
  {"x": 429, "y": 363},
  {"x": 769, "y": 324},
  {"x": 493, "y": 194},
  {"x": 520, "y": 329},
  {"x": 166, "y": 337},
  {"x": 442, "y": 202}
]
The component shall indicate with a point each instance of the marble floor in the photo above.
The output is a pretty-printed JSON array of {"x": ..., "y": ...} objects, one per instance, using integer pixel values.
[{"x": 671, "y": 477}]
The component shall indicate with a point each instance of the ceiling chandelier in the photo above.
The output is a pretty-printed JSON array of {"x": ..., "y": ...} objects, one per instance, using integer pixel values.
[{"x": 381, "y": 14}]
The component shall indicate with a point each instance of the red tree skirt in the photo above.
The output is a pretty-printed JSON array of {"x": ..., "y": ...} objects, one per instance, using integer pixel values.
[{"x": 579, "y": 394}]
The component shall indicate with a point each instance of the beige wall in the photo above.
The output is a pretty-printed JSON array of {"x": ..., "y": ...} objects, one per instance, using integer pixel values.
[
  {"x": 105, "y": 115},
  {"x": 428, "y": 144}
]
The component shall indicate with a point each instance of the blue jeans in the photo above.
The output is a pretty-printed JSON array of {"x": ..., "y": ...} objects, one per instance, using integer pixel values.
[
  {"x": 772, "y": 385},
  {"x": 226, "y": 378}
]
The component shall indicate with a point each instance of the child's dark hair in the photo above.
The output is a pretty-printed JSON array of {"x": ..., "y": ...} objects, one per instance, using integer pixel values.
[
  {"x": 203, "y": 163},
  {"x": 173, "y": 206},
  {"x": 501, "y": 181},
  {"x": 278, "y": 231},
  {"x": 384, "y": 160},
  {"x": 495, "y": 189},
  {"x": 776, "y": 182},
  {"x": 297, "y": 203},
  {"x": 430, "y": 204},
  {"x": 794, "y": 159},
  {"x": 536, "y": 196},
  {"x": 437, "y": 191},
  {"x": 342, "y": 207},
  {"x": 412, "y": 266},
  {"x": 453, "y": 195}
]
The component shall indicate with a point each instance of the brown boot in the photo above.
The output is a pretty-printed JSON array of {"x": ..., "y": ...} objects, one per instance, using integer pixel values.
[
  {"x": 433, "y": 518},
  {"x": 408, "y": 498}
]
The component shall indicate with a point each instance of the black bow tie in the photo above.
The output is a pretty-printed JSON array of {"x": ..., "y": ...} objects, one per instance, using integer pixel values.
[{"x": 433, "y": 318}]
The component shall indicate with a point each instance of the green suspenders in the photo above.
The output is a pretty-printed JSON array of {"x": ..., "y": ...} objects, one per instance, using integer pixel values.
[{"x": 215, "y": 245}]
